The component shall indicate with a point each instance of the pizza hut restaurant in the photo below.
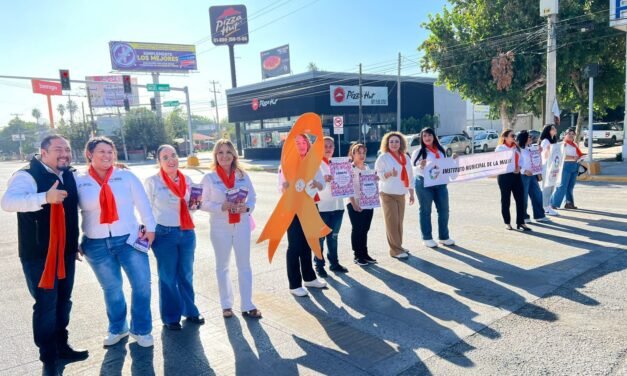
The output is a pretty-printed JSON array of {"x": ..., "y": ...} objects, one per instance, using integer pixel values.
[{"x": 267, "y": 110}]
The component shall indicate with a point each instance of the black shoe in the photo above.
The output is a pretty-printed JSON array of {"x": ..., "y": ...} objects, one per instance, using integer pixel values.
[
  {"x": 361, "y": 261},
  {"x": 523, "y": 228},
  {"x": 338, "y": 268},
  {"x": 321, "y": 273},
  {"x": 50, "y": 369},
  {"x": 173, "y": 326},
  {"x": 196, "y": 319},
  {"x": 66, "y": 352},
  {"x": 370, "y": 260}
]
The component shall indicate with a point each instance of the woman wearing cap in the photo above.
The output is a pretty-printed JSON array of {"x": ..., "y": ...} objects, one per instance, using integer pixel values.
[
  {"x": 229, "y": 197},
  {"x": 299, "y": 266},
  {"x": 175, "y": 240},
  {"x": 548, "y": 138},
  {"x": 360, "y": 218},
  {"x": 511, "y": 184},
  {"x": 393, "y": 167},
  {"x": 108, "y": 198},
  {"x": 531, "y": 188},
  {"x": 431, "y": 150},
  {"x": 564, "y": 191}
]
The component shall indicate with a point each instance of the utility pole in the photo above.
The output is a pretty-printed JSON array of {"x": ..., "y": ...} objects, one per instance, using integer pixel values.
[
  {"x": 551, "y": 59},
  {"x": 157, "y": 95},
  {"x": 215, "y": 102},
  {"x": 94, "y": 130},
  {"x": 122, "y": 133},
  {"x": 590, "y": 117},
  {"x": 189, "y": 124},
  {"x": 398, "y": 96},
  {"x": 361, "y": 125},
  {"x": 19, "y": 136}
]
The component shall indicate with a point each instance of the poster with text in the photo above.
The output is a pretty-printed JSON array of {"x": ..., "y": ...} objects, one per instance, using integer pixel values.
[
  {"x": 368, "y": 190},
  {"x": 468, "y": 167},
  {"x": 554, "y": 165},
  {"x": 536, "y": 159},
  {"x": 342, "y": 173}
]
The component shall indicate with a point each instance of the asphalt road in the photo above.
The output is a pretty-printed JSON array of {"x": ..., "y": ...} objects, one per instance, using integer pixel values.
[{"x": 500, "y": 302}]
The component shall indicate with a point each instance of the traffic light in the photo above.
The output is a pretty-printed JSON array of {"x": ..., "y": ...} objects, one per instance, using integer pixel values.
[
  {"x": 127, "y": 105},
  {"x": 64, "y": 75},
  {"x": 153, "y": 104},
  {"x": 126, "y": 80}
]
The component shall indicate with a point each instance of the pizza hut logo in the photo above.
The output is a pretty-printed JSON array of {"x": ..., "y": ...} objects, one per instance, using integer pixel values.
[
  {"x": 229, "y": 22},
  {"x": 339, "y": 94},
  {"x": 258, "y": 103},
  {"x": 255, "y": 104}
]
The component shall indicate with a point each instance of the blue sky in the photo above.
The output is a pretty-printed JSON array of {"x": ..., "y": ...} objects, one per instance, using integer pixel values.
[{"x": 40, "y": 37}]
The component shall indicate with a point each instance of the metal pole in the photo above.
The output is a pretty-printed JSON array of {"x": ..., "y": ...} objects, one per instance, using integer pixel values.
[
  {"x": 551, "y": 69},
  {"x": 122, "y": 133},
  {"x": 238, "y": 137},
  {"x": 472, "y": 132},
  {"x": 157, "y": 95},
  {"x": 189, "y": 121},
  {"x": 360, "y": 128},
  {"x": 590, "y": 117},
  {"x": 94, "y": 129},
  {"x": 50, "y": 112},
  {"x": 625, "y": 117},
  {"x": 215, "y": 100},
  {"x": 398, "y": 96}
]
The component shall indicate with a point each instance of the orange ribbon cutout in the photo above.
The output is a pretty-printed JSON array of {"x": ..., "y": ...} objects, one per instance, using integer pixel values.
[{"x": 295, "y": 200}]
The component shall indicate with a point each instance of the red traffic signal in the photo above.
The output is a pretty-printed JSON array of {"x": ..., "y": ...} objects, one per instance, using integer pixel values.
[
  {"x": 64, "y": 75},
  {"x": 126, "y": 80}
]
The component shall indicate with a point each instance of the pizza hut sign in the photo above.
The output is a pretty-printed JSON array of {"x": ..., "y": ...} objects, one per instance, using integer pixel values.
[
  {"x": 341, "y": 95},
  {"x": 260, "y": 103},
  {"x": 228, "y": 24}
]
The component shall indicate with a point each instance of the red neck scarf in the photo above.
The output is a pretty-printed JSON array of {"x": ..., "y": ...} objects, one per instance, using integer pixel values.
[
  {"x": 229, "y": 182},
  {"x": 579, "y": 153},
  {"x": 325, "y": 160},
  {"x": 56, "y": 248},
  {"x": 108, "y": 209},
  {"x": 434, "y": 150},
  {"x": 516, "y": 156},
  {"x": 400, "y": 158},
  {"x": 179, "y": 191}
]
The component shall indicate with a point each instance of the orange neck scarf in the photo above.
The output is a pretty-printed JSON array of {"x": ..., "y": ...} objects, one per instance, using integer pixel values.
[
  {"x": 400, "y": 158},
  {"x": 579, "y": 153},
  {"x": 56, "y": 248},
  {"x": 108, "y": 209},
  {"x": 229, "y": 182},
  {"x": 516, "y": 156},
  {"x": 179, "y": 191},
  {"x": 435, "y": 151}
]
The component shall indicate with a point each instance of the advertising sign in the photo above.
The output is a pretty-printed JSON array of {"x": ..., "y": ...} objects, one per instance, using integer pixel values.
[
  {"x": 46, "y": 87},
  {"x": 341, "y": 95},
  {"x": 275, "y": 62},
  {"x": 342, "y": 172},
  {"x": 338, "y": 124},
  {"x": 152, "y": 57},
  {"x": 468, "y": 167},
  {"x": 618, "y": 14},
  {"x": 229, "y": 24},
  {"x": 108, "y": 91}
]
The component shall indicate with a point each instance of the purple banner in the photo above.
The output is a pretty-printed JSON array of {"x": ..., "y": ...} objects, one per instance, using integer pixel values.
[{"x": 152, "y": 57}]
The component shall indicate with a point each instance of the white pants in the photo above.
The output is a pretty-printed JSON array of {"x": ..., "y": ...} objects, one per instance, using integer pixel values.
[{"x": 225, "y": 237}]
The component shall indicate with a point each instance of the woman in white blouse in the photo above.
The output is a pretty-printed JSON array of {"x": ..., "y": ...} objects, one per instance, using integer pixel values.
[
  {"x": 393, "y": 167},
  {"x": 175, "y": 240},
  {"x": 548, "y": 138},
  {"x": 108, "y": 198},
  {"x": 531, "y": 188},
  {"x": 564, "y": 192},
  {"x": 430, "y": 150},
  {"x": 229, "y": 197}
]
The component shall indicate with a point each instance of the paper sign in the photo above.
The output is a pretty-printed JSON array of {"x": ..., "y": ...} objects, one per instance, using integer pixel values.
[
  {"x": 342, "y": 173},
  {"x": 368, "y": 190}
]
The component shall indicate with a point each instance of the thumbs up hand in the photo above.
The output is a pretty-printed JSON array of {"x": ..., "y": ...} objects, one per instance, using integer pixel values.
[
  {"x": 54, "y": 195},
  {"x": 394, "y": 172}
]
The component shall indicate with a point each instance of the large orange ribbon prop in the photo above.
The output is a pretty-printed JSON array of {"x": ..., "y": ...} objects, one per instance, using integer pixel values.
[{"x": 295, "y": 200}]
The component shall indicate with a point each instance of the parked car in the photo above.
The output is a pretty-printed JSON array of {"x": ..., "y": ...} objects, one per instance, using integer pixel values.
[
  {"x": 477, "y": 130},
  {"x": 413, "y": 142},
  {"x": 486, "y": 141},
  {"x": 456, "y": 143},
  {"x": 605, "y": 133}
]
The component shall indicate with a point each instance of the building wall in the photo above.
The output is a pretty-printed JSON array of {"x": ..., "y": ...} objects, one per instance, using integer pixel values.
[{"x": 451, "y": 109}]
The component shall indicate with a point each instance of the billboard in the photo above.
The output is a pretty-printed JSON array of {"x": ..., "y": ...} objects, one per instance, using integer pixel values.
[
  {"x": 342, "y": 95},
  {"x": 108, "y": 125},
  {"x": 618, "y": 14},
  {"x": 275, "y": 62},
  {"x": 46, "y": 87},
  {"x": 108, "y": 91},
  {"x": 152, "y": 57},
  {"x": 229, "y": 24}
]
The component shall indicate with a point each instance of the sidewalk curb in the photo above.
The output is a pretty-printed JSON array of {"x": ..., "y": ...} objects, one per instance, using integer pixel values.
[{"x": 603, "y": 178}]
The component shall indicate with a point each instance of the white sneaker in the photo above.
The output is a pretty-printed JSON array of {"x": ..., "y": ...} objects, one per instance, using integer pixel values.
[
  {"x": 543, "y": 219},
  {"x": 527, "y": 220},
  {"x": 316, "y": 283},
  {"x": 145, "y": 340},
  {"x": 448, "y": 241},
  {"x": 430, "y": 243},
  {"x": 299, "y": 292},
  {"x": 401, "y": 256},
  {"x": 111, "y": 338},
  {"x": 551, "y": 211}
]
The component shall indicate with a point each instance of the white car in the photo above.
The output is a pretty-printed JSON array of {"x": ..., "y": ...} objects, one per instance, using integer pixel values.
[
  {"x": 605, "y": 133},
  {"x": 477, "y": 130},
  {"x": 413, "y": 142},
  {"x": 486, "y": 141}
]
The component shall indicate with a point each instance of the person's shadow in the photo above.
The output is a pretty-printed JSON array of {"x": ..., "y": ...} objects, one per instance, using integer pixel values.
[
  {"x": 183, "y": 352},
  {"x": 113, "y": 362},
  {"x": 142, "y": 360}
]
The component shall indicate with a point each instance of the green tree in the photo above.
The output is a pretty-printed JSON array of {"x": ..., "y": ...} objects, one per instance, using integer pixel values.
[
  {"x": 77, "y": 134},
  {"x": 18, "y": 126},
  {"x": 176, "y": 124},
  {"x": 312, "y": 67},
  {"x": 143, "y": 129},
  {"x": 72, "y": 108},
  {"x": 36, "y": 114}
]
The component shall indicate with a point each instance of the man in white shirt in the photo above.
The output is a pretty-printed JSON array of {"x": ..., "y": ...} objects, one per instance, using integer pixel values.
[{"x": 31, "y": 192}]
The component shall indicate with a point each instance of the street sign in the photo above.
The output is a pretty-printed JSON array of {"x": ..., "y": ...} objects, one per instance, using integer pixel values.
[
  {"x": 338, "y": 124},
  {"x": 158, "y": 87},
  {"x": 18, "y": 137},
  {"x": 171, "y": 103}
]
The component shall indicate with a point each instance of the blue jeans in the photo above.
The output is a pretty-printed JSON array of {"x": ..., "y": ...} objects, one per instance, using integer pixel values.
[
  {"x": 174, "y": 250},
  {"x": 531, "y": 189},
  {"x": 333, "y": 219},
  {"x": 567, "y": 185},
  {"x": 51, "y": 311},
  {"x": 427, "y": 196},
  {"x": 107, "y": 257}
]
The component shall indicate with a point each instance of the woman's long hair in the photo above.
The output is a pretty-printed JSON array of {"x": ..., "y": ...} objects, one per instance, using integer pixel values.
[
  {"x": 354, "y": 148},
  {"x": 504, "y": 136},
  {"x": 546, "y": 133},
  {"x": 235, "y": 165},
  {"x": 422, "y": 152},
  {"x": 385, "y": 148},
  {"x": 522, "y": 139}
]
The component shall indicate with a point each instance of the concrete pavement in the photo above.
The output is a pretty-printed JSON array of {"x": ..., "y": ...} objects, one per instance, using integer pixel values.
[{"x": 433, "y": 314}]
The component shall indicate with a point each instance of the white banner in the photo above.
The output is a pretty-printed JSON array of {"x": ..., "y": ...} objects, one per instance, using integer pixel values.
[
  {"x": 341, "y": 95},
  {"x": 468, "y": 167},
  {"x": 554, "y": 165}
]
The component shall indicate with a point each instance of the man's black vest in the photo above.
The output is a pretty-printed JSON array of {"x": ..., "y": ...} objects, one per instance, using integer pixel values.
[{"x": 34, "y": 227}]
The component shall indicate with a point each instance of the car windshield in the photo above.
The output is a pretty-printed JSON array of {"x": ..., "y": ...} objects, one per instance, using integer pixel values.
[
  {"x": 481, "y": 136},
  {"x": 446, "y": 139}
]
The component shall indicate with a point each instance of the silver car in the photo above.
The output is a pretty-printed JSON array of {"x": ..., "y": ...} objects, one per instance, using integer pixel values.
[{"x": 456, "y": 143}]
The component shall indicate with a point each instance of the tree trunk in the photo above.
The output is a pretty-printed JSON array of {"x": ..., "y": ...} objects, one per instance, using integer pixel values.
[
  {"x": 580, "y": 116},
  {"x": 505, "y": 120}
]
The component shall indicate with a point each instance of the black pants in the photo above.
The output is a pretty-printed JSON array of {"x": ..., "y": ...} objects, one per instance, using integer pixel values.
[
  {"x": 299, "y": 265},
  {"x": 511, "y": 184},
  {"x": 51, "y": 311},
  {"x": 359, "y": 233}
]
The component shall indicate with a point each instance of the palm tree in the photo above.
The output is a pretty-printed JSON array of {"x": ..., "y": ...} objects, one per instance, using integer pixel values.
[
  {"x": 72, "y": 107},
  {"x": 312, "y": 67},
  {"x": 61, "y": 110},
  {"x": 36, "y": 114}
]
